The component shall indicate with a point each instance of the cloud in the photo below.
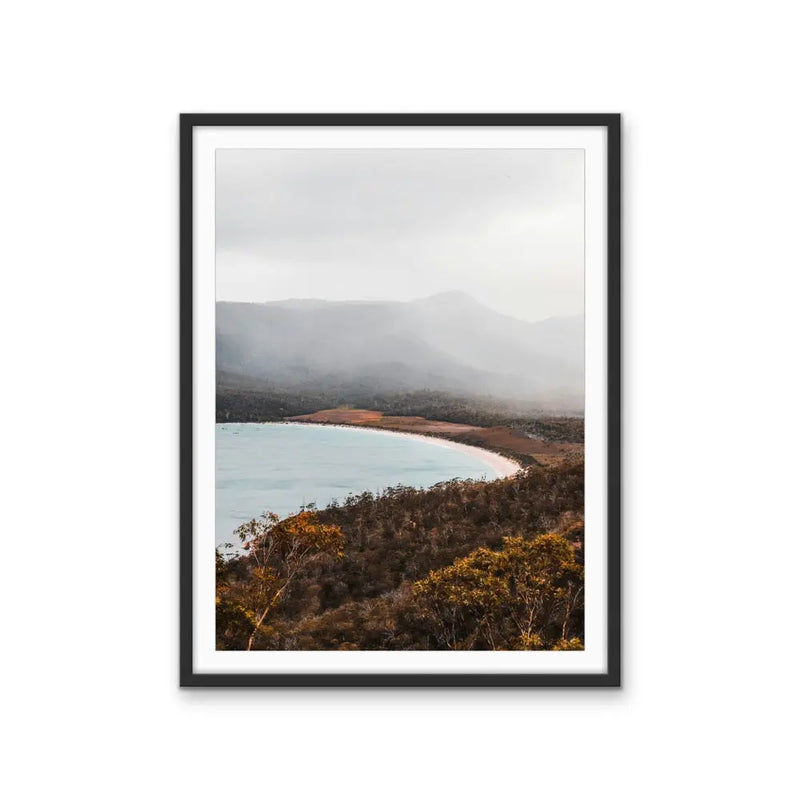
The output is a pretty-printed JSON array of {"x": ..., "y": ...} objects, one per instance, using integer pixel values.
[{"x": 506, "y": 226}]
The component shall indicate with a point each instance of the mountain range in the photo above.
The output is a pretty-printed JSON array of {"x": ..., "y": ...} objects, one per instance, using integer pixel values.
[{"x": 447, "y": 342}]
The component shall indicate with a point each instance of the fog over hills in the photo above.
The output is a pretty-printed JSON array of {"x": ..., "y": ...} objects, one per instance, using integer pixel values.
[{"x": 447, "y": 342}]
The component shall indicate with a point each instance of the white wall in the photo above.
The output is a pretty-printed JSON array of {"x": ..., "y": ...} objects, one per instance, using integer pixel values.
[{"x": 89, "y": 329}]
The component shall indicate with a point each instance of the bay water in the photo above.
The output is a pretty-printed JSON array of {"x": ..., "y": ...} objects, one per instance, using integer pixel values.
[{"x": 280, "y": 467}]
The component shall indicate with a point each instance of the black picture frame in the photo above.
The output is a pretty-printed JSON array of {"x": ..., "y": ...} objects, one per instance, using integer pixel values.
[{"x": 612, "y": 676}]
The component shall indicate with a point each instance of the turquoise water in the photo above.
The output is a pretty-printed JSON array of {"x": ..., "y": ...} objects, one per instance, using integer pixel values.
[{"x": 276, "y": 467}]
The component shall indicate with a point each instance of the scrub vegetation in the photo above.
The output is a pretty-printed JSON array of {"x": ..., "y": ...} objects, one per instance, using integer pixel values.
[{"x": 464, "y": 565}]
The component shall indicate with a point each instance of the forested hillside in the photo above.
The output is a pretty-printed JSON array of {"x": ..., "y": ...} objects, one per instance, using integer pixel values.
[
  {"x": 258, "y": 402},
  {"x": 463, "y": 565}
]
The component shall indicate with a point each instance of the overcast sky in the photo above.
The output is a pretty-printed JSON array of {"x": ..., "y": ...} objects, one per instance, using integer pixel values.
[{"x": 505, "y": 226}]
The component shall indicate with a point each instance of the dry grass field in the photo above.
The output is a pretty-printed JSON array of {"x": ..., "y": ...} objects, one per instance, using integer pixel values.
[{"x": 500, "y": 439}]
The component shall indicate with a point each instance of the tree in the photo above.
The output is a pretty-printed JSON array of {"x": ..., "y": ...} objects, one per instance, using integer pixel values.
[
  {"x": 279, "y": 551},
  {"x": 521, "y": 597}
]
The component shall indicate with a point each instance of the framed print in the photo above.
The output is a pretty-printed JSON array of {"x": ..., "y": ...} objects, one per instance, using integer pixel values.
[{"x": 400, "y": 400}]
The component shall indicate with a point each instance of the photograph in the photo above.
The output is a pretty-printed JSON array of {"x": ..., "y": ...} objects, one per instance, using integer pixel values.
[{"x": 399, "y": 400}]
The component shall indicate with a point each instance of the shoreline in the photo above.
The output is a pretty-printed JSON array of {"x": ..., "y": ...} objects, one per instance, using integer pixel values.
[{"x": 504, "y": 466}]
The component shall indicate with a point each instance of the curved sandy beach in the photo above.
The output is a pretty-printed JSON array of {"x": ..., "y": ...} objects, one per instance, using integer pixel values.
[{"x": 503, "y": 467}]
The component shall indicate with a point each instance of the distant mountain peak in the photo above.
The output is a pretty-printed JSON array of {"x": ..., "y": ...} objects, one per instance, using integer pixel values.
[
  {"x": 453, "y": 297},
  {"x": 447, "y": 342}
]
